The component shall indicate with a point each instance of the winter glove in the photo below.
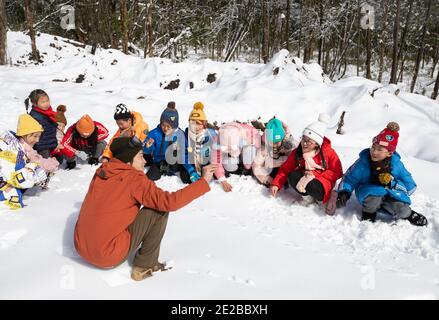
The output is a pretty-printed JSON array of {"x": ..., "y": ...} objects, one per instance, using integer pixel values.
[
  {"x": 40, "y": 175},
  {"x": 71, "y": 165},
  {"x": 342, "y": 198},
  {"x": 81, "y": 155},
  {"x": 385, "y": 178},
  {"x": 93, "y": 161},
  {"x": 194, "y": 177},
  {"x": 303, "y": 182}
]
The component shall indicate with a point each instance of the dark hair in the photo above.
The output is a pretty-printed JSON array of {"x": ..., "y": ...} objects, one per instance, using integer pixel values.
[
  {"x": 92, "y": 140},
  {"x": 299, "y": 155},
  {"x": 33, "y": 97}
]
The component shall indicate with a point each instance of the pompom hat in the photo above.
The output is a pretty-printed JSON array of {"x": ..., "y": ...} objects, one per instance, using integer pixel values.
[
  {"x": 316, "y": 130},
  {"x": 197, "y": 113},
  {"x": 388, "y": 138}
]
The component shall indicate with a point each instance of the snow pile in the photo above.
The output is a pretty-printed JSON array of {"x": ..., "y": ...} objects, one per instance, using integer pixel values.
[{"x": 241, "y": 245}]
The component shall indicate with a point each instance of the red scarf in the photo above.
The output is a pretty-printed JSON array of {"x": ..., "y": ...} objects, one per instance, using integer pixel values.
[{"x": 48, "y": 113}]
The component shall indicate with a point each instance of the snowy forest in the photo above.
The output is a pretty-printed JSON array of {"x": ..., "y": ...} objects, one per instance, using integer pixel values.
[{"x": 387, "y": 41}]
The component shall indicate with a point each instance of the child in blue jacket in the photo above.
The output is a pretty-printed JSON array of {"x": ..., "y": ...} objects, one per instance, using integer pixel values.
[
  {"x": 46, "y": 116},
  {"x": 381, "y": 181},
  {"x": 199, "y": 141},
  {"x": 164, "y": 147}
]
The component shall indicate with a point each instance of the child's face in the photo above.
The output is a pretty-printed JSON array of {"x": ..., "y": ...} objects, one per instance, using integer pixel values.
[
  {"x": 124, "y": 124},
  {"x": 32, "y": 139},
  {"x": 308, "y": 144},
  {"x": 379, "y": 153},
  {"x": 61, "y": 126},
  {"x": 166, "y": 128},
  {"x": 196, "y": 126},
  {"x": 43, "y": 102}
]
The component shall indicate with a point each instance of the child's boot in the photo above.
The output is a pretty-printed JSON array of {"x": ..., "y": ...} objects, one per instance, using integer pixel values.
[
  {"x": 367, "y": 216},
  {"x": 417, "y": 219}
]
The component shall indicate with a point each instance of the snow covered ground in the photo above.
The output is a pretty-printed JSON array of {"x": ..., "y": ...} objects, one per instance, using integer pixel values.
[{"x": 241, "y": 245}]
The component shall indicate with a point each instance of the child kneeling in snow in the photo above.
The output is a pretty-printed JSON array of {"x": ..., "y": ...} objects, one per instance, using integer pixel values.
[
  {"x": 278, "y": 144},
  {"x": 130, "y": 124},
  {"x": 234, "y": 151},
  {"x": 21, "y": 167},
  {"x": 84, "y": 139},
  {"x": 313, "y": 167},
  {"x": 381, "y": 181},
  {"x": 164, "y": 147},
  {"x": 199, "y": 141}
]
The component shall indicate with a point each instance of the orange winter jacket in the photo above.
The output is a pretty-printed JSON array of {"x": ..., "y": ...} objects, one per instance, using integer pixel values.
[
  {"x": 140, "y": 129},
  {"x": 115, "y": 195}
]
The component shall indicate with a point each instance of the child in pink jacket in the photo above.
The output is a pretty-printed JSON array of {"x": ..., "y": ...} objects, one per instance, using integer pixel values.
[
  {"x": 277, "y": 144},
  {"x": 234, "y": 149}
]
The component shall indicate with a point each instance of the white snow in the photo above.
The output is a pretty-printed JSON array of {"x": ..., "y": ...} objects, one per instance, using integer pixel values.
[{"x": 241, "y": 245}]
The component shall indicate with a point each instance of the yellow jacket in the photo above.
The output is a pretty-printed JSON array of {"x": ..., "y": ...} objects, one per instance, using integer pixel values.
[{"x": 140, "y": 129}]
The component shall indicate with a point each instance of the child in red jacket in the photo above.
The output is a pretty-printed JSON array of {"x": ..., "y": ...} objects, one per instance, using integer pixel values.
[{"x": 313, "y": 168}]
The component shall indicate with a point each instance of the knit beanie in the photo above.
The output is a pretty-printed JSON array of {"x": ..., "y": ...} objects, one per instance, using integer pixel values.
[
  {"x": 27, "y": 125},
  {"x": 170, "y": 115},
  {"x": 274, "y": 131},
  {"x": 388, "y": 138},
  {"x": 124, "y": 149},
  {"x": 316, "y": 130},
  {"x": 59, "y": 116},
  {"x": 198, "y": 113},
  {"x": 85, "y": 125},
  {"x": 121, "y": 112}
]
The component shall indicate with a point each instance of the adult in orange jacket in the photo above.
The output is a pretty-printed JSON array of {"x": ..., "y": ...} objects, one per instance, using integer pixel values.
[
  {"x": 111, "y": 223},
  {"x": 130, "y": 124},
  {"x": 313, "y": 168}
]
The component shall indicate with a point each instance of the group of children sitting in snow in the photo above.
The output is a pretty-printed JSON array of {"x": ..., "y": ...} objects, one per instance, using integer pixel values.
[{"x": 31, "y": 155}]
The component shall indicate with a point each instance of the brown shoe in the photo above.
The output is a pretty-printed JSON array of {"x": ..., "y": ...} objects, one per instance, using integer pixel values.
[{"x": 141, "y": 273}]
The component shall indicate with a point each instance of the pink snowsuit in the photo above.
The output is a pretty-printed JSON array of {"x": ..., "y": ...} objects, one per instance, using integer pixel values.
[{"x": 235, "y": 139}]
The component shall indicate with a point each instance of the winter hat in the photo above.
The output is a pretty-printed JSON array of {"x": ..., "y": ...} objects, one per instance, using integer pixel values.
[
  {"x": 274, "y": 131},
  {"x": 85, "y": 125},
  {"x": 316, "y": 130},
  {"x": 124, "y": 150},
  {"x": 27, "y": 125},
  {"x": 121, "y": 112},
  {"x": 170, "y": 115},
  {"x": 388, "y": 138},
  {"x": 198, "y": 113},
  {"x": 60, "y": 117}
]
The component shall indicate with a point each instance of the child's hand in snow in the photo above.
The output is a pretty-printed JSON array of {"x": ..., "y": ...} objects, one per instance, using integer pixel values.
[
  {"x": 274, "y": 190},
  {"x": 227, "y": 187},
  {"x": 208, "y": 172}
]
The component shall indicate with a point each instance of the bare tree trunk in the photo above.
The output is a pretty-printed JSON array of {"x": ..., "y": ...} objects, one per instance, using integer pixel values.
[
  {"x": 395, "y": 45},
  {"x": 124, "y": 25},
  {"x": 149, "y": 30},
  {"x": 403, "y": 42},
  {"x": 382, "y": 42},
  {"x": 368, "y": 54},
  {"x": 3, "y": 32},
  {"x": 436, "y": 88},
  {"x": 421, "y": 47},
  {"x": 321, "y": 16},
  {"x": 300, "y": 28},
  {"x": 287, "y": 26},
  {"x": 359, "y": 37},
  {"x": 30, "y": 25},
  {"x": 113, "y": 19},
  {"x": 266, "y": 39}
]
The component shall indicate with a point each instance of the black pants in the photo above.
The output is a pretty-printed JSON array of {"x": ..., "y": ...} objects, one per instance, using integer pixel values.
[
  {"x": 157, "y": 170},
  {"x": 46, "y": 155},
  {"x": 314, "y": 188},
  {"x": 241, "y": 171}
]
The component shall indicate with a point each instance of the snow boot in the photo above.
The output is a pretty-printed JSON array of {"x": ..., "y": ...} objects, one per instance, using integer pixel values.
[
  {"x": 367, "y": 216},
  {"x": 417, "y": 219},
  {"x": 141, "y": 273},
  {"x": 71, "y": 165}
]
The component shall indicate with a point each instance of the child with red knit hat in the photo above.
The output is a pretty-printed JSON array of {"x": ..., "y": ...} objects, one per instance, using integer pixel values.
[
  {"x": 85, "y": 139},
  {"x": 380, "y": 180}
]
